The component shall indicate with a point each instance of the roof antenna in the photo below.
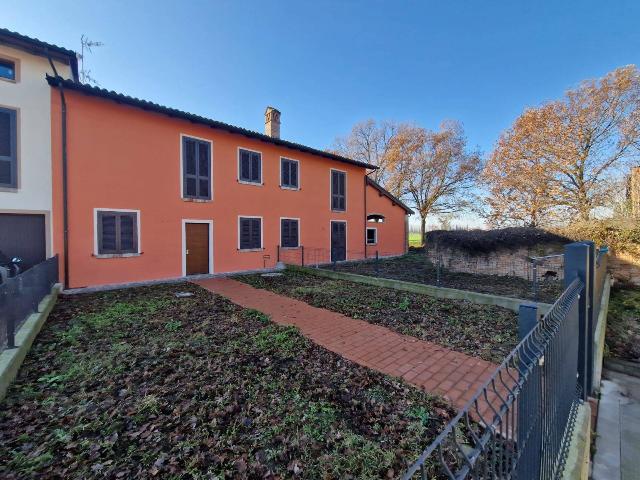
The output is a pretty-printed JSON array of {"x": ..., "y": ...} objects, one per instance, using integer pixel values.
[{"x": 86, "y": 44}]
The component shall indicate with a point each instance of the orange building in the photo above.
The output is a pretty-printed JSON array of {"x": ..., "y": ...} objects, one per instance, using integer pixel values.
[{"x": 144, "y": 192}]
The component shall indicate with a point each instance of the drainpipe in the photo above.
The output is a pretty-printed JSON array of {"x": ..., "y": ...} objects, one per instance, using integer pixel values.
[
  {"x": 65, "y": 213},
  {"x": 366, "y": 175}
]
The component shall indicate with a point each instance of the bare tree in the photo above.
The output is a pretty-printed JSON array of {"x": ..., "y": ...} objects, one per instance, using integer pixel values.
[
  {"x": 432, "y": 169},
  {"x": 369, "y": 142},
  {"x": 85, "y": 46}
]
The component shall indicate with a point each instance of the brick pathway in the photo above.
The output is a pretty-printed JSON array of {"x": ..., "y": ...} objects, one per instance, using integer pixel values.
[{"x": 439, "y": 370}]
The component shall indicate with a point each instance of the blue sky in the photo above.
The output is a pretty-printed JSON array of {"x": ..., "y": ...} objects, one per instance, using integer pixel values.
[{"x": 329, "y": 64}]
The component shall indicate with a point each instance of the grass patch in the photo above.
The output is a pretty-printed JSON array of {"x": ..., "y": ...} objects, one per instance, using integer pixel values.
[{"x": 623, "y": 324}]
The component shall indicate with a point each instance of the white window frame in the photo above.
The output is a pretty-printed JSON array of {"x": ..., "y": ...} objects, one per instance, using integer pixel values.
[
  {"x": 375, "y": 230},
  {"x": 245, "y": 182},
  {"x": 16, "y": 68},
  {"x": 280, "y": 236},
  {"x": 184, "y": 243},
  {"x": 95, "y": 233},
  {"x": 331, "y": 170},
  {"x": 181, "y": 161},
  {"x": 261, "y": 234},
  {"x": 284, "y": 187}
]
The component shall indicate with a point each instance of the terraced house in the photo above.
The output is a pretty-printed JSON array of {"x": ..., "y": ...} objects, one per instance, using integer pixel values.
[
  {"x": 26, "y": 227},
  {"x": 155, "y": 193}
]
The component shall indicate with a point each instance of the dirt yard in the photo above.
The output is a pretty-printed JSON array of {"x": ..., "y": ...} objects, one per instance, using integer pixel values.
[{"x": 140, "y": 384}]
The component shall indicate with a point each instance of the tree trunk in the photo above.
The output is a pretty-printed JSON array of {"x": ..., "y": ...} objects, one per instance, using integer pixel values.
[{"x": 423, "y": 228}]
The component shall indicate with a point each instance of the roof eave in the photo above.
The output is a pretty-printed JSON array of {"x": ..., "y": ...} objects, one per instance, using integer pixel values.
[{"x": 161, "y": 109}]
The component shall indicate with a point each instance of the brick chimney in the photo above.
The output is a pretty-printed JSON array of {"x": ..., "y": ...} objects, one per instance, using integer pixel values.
[{"x": 272, "y": 122}]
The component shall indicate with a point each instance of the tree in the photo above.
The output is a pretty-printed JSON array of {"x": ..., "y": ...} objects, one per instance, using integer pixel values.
[
  {"x": 575, "y": 146},
  {"x": 369, "y": 142},
  {"x": 432, "y": 169},
  {"x": 519, "y": 183}
]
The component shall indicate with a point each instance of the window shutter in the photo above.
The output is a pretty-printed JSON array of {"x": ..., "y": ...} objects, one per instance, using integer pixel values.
[
  {"x": 245, "y": 165},
  {"x": 255, "y": 167},
  {"x": 286, "y": 177},
  {"x": 245, "y": 233},
  {"x": 107, "y": 235},
  {"x": 293, "y": 233},
  {"x": 8, "y": 150},
  {"x": 127, "y": 234},
  {"x": 204, "y": 175},
  {"x": 256, "y": 240},
  {"x": 293, "y": 173}
]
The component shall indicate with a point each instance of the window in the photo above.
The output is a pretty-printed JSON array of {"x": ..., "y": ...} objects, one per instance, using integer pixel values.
[
  {"x": 117, "y": 232},
  {"x": 289, "y": 230},
  {"x": 250, "y": 233},
  {"x": 7, "y": 69},
  {"x": 8, "y": 149},
  {"x": 289, "y": 173},
  {"x": 338, "y": 191},
  {"x": 372, "y": 236},
  {"x": 196, "y": 169},
  {"x": 375, "y": 218},
  {"x": 250, "y": 166}
]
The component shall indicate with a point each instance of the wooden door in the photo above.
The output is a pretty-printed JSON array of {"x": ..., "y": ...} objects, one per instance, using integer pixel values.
[
  {"x": 197, "y": 244},
  {"x": 338, "y": 241}
]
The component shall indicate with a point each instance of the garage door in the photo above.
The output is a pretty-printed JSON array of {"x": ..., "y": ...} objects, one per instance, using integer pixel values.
[{"x": 23, "y": 236}]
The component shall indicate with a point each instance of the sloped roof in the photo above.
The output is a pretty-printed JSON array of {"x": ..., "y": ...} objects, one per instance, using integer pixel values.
[
  {"x": 172, "y": 112},
  {"x": 388, "y": 194},
  {"x": 38, "y": 47}
]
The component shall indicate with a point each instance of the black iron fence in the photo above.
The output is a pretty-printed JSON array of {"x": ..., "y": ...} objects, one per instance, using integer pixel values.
[
  {"x": 519, "y": 424},
  {"x": 543, "y": 283},
  {"x": 20, "y": 296}
]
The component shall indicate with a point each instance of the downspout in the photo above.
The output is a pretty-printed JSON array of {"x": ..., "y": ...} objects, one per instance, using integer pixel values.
[
  {"x": 65, "y": 213},
  {"x": 366, "y": 175}
]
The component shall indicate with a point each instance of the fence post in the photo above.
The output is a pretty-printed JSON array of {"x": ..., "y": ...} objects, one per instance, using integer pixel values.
[
  {"x": 535, "y": 279},
  {"x": 529, "y": 399},
  {"x": 527, "y": 319},
  {"x": 278, "y": 254},
  {"x": 576, "y": 265}
]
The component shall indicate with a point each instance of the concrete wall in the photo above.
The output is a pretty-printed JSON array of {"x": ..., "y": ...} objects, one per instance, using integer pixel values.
[{"x": 30, "y": 96}]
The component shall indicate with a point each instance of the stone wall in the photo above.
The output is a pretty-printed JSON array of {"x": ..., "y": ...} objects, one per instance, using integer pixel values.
[
  {"x": 516, "y": 263},
  {"x": 509, "y": 262},
  {"x": 625, "y": 268}
]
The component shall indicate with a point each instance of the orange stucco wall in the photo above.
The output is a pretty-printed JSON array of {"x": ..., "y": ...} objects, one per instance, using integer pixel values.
[
  {"x": 391, "y": 233},
  {"x": 121, "y": 157}
]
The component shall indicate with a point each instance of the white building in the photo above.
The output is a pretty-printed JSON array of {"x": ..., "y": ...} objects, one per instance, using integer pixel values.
[{"x": 25, "y": 143}]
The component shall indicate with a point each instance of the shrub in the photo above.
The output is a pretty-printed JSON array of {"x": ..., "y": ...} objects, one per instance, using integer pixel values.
[{"x": 620, "y": 235}]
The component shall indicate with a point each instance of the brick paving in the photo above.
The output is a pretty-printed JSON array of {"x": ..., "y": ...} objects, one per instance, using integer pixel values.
[{"x": 432, "y": 367}]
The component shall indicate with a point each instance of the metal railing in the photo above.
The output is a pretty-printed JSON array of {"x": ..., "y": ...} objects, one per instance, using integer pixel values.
[
  {"x": 518, "y": 424},
  {"x": 20, "y": 296}
]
